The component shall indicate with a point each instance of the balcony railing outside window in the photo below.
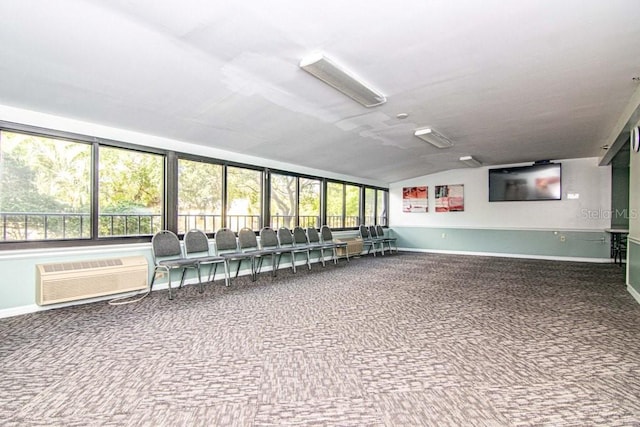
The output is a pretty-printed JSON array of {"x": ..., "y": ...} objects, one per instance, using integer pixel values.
[{"x": 27, "y": 226}]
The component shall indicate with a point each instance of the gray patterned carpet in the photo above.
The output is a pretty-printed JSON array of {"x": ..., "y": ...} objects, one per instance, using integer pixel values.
[{"x": 402, "y": 340}]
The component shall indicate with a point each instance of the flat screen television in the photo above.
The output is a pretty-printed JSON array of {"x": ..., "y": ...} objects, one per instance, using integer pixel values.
[{"x": 540, "y": 181}]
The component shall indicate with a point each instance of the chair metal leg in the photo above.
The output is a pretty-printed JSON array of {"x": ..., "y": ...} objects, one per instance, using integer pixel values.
[
  {"x": 200, "y": 280},
  {"x": 238, "y": 269},
  {"x": 293, "y": 262},
  {"x": 227, "y": 275}
]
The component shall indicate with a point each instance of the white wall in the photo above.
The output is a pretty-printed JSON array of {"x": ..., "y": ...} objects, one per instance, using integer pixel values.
[{"x": 583, "y": 176}]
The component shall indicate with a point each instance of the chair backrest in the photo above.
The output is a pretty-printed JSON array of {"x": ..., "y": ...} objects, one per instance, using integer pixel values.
[
  {"x": 327, "y": 235},
  {"x": 373, "y": 232},
  {"x": 225, "y": 241},
  {"x": 247, "y": 239},
  {"x": 364, "y": 232},
  {"x": 196, "y": 242},
  {"x": 312, "y": 235},
  {"x": 268, "y": 238},
  {"x": 165, "y": 244},
  {"x": 299, "y": 236},
  {"x": 380, "y": 230},
  {"x": 285, "y": 238}
]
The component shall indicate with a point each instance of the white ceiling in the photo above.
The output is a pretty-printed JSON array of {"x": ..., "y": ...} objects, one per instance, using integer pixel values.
[{"x": 507, "y": 81}]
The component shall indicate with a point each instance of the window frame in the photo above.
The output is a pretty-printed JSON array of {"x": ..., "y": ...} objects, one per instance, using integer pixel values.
[{"x": 170, "y": 189}]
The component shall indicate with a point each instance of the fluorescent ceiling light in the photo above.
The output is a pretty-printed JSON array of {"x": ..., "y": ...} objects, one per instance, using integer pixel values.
[
  {"x": 337, "y": 76},
  {"x": 470, "y": 161},
  {"x": 433, "y": 138}
]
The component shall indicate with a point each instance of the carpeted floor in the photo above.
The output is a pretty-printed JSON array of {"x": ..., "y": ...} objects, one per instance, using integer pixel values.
[{"x": 402, "y": 340}]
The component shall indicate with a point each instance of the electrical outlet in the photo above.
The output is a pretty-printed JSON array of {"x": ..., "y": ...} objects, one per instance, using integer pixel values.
[
  {"x": 562, "y": 238},
  {"x": 444, "y": 235}
]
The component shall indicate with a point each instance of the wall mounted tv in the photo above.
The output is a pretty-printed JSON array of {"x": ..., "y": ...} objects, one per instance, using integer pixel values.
[{"x": 540, "y": 181}]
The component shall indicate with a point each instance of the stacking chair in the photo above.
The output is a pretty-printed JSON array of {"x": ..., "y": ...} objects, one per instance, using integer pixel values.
[
  {"x": 373, "y": 232},
  {"x": 285, "y": 239},
  {"x": 313, "y": 237},
  {"x": 196, "y": 247},
  {"x": 271, "y": 247},
  {"x": 327, "y": 237},
  {"x": 167, "y": 256},
  {"x": 249, "y": 246},
  {"x": 300, "y": 240},
  {"x": 367, "y": 241},
  {"x": 227, "y": 247},
  {"x": 387, "y": 239}
]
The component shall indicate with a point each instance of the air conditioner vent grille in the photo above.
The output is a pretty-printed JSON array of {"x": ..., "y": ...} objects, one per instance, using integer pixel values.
[{"x": 81, "y": 265}]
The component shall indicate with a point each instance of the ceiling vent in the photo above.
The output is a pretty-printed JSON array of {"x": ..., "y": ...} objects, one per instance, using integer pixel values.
[{"x": 337, "y": 76}]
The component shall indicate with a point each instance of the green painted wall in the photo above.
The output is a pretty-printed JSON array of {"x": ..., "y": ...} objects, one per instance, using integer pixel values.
[
  {"x": 620, "y": 196},
  {"x": 561, "y": 243}
]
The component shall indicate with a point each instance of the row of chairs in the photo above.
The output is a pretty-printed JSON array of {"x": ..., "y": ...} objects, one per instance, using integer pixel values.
[
  {"x": 374, "y": 240},
  {"x": 168, "y": 254}
]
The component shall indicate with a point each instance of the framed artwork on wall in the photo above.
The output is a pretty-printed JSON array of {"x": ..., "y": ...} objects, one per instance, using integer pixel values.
[
  {"x": 450, "y": 198},
  {"x": 415, "y": 199}
]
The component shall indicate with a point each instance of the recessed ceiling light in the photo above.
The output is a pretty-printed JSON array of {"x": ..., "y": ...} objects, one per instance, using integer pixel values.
[{"x": 402, "y": 115}]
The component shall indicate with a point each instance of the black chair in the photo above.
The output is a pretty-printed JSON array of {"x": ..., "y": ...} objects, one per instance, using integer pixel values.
[
  {"x": 285, "y": 240},
  {"x": 167, "y": 256},
  {"x": 301, "y": 241},
  {"x": 227, "y": 247},
  {"x": 269, "y": 244},
  {"x": 620, "y": 248},
  {"x": 313, "y": 237},
  {"x": 367, "y": 241},
  {"x": 378, "y": 240},
  {"x": 327, "y": 237},
  {"x": 196, "y": 247},
  {"x": 387, "y": 239},
  {"x": 248, "y": 245}
]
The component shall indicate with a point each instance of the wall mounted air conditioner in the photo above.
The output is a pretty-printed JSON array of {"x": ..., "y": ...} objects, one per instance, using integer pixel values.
[{"x": 70, "y": 281}]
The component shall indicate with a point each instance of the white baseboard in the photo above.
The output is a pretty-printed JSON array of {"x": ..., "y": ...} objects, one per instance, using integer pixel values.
[{"x": 507, "y": 255}]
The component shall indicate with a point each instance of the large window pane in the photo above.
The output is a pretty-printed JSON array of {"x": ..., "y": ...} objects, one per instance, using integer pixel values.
[
  {"x": 244, "y": 198},
  {"x": 352, "y": 206},
  {"x": 44, "y": 188},
  {"x": 309, "y": 204},
  {"x": 369, "y": 206},
  {"x": 283, "y": 201},
  {"x": 381, "y": 209},
  {"x": 335, "y": 205},
  {"x": 130, "y": 199},
  {"x": 199, "y": 196}
]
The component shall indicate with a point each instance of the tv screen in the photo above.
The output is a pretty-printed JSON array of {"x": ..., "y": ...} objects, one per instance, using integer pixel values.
[{"x": 535, "y": 182}]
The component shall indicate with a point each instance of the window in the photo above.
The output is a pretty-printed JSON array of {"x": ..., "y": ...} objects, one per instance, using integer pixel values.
[
  {"x": 283, "y": 201},
  {"x": 309, "y": 203},
  {"x": 244, "y": 198},
  {"x": 352, "y": 206},
  {"x": 44, "y": 188},
  {"x": 130, "y": 201},
  {"x": 199, "y": 196},
  {"x": 381, "y": 207},
  {"x": 61, "y": 188},
  {"x": 370, "y": 206},
  {"x": 335, "y": 205}
]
